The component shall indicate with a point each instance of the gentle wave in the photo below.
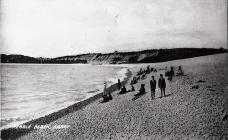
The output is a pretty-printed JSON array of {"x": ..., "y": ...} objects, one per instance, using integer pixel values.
[{"x": 35, "y": 90}]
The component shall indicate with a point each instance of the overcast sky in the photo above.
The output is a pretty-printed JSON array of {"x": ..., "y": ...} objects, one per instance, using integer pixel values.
[{"x": 51, "y": 28}]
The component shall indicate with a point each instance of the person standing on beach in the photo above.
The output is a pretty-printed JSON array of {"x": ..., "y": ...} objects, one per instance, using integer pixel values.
[
  {"x": 171, "y": 74},
  {"x": 119, "y": 84},
  {"x": 105, "y": 86},
  {"x": 162, "y": 85},
  {"x": 105, "y": 95},
  {"x": 152, "y": 87},
  {"x": 132, "y": 87}
]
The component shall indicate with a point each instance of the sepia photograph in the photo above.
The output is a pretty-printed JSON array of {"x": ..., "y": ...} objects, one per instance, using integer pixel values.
[{"x": 113, "y": 69}]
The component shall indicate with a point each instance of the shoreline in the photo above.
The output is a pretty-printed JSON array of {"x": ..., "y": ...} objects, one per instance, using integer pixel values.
[
  {"x": 6, "y": 133},
  {"x": 185, "y": 112},
  {"x": 12, "y": 121}
]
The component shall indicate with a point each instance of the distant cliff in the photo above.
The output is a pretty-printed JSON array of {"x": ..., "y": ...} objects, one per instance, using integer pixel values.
[{"x": 146, "y": 56}]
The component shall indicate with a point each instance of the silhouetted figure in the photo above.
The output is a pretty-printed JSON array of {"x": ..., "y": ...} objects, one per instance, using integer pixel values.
[
  {"x": 141, "y": 90},
  {"x": 105, "y": 86},
  {"x": 148, "y": 69},
  {"x": 167, "y": 73},
  {"x": 104, "y": 95},
  {"x": 162, "y": 85},
  {"x": 123, "y": 90},
  {"x": 152, "y": 87},
  {"x": 144, "y": 71},
  {"x": 138, "y": 78},
  {"x": 140, "y": 71},
  {"x": 143, "y": 77},
  {"x": 132, "y": 87},
  {"x": 109, "y": 96},
  {"x": 171, "y": 74},
  {"x": 179, "y": 71},
  {"x": 119, "y": 84},
  {"x": 105, "y": 98},
  {"x": 134, "y": 80}
]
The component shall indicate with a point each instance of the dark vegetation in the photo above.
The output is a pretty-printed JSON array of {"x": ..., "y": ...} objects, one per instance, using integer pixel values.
[{"x": 146, "y": 56}]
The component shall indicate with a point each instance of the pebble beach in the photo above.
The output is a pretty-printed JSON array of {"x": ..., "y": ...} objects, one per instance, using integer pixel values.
[{"x": 195, "y": 107}]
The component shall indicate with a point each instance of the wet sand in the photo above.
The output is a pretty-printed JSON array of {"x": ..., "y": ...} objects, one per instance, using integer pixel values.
[{"x": 186, "y": 112}]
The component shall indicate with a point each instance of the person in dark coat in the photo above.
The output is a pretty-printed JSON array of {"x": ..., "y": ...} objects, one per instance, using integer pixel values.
[
  {"x": 109, "y": 96},
  {"x": 123, "y": 90},
  {"x": 180, "y": 71},
  {"x": 141, "y": 90},
  {"x": 148, "y": 69},
  {"x": 119, "y": 84},
  {"x": 152, "y": 87},
  {"x": 132, "y": 87},
  {"x": 162, "y": 85},
  {"x": 134, "y": 80},
  {"x": 171, "y": 74}
]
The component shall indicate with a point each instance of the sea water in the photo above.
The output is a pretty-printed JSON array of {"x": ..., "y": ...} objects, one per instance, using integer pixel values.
[{"x": 30, "y": 91}]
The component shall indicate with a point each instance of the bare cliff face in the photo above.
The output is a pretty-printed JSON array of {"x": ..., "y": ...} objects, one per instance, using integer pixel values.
[{"x": 146, "y": 56}]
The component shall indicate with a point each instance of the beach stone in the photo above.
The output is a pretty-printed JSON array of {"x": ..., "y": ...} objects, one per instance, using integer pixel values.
[
  {"x": 195, "y": 86},
  {"x": 211, "y": 89},
  {"x": 209, "y": 86},
  {"x": 224, "y": 116},
  {"x": 200, "y": 81}
]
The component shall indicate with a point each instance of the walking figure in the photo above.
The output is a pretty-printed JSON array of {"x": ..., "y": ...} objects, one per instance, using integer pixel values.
[
  {"x": 152, "y": 87},
  {"x": 162, "y": 85}
]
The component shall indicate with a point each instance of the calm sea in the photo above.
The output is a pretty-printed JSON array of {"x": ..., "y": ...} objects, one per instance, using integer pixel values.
[{"x": 33, "y": 90}]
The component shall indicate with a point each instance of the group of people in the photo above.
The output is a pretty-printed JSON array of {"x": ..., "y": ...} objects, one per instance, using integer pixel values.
[
  {"x": 170, "y": 73},
  {"x": 153, "y": 83},
  {"x": 146, "y": 71},
  {"x": 123, "y": 89},
  {"x": 141, "y": 74},
  {"x": 161, "y": 85}
]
